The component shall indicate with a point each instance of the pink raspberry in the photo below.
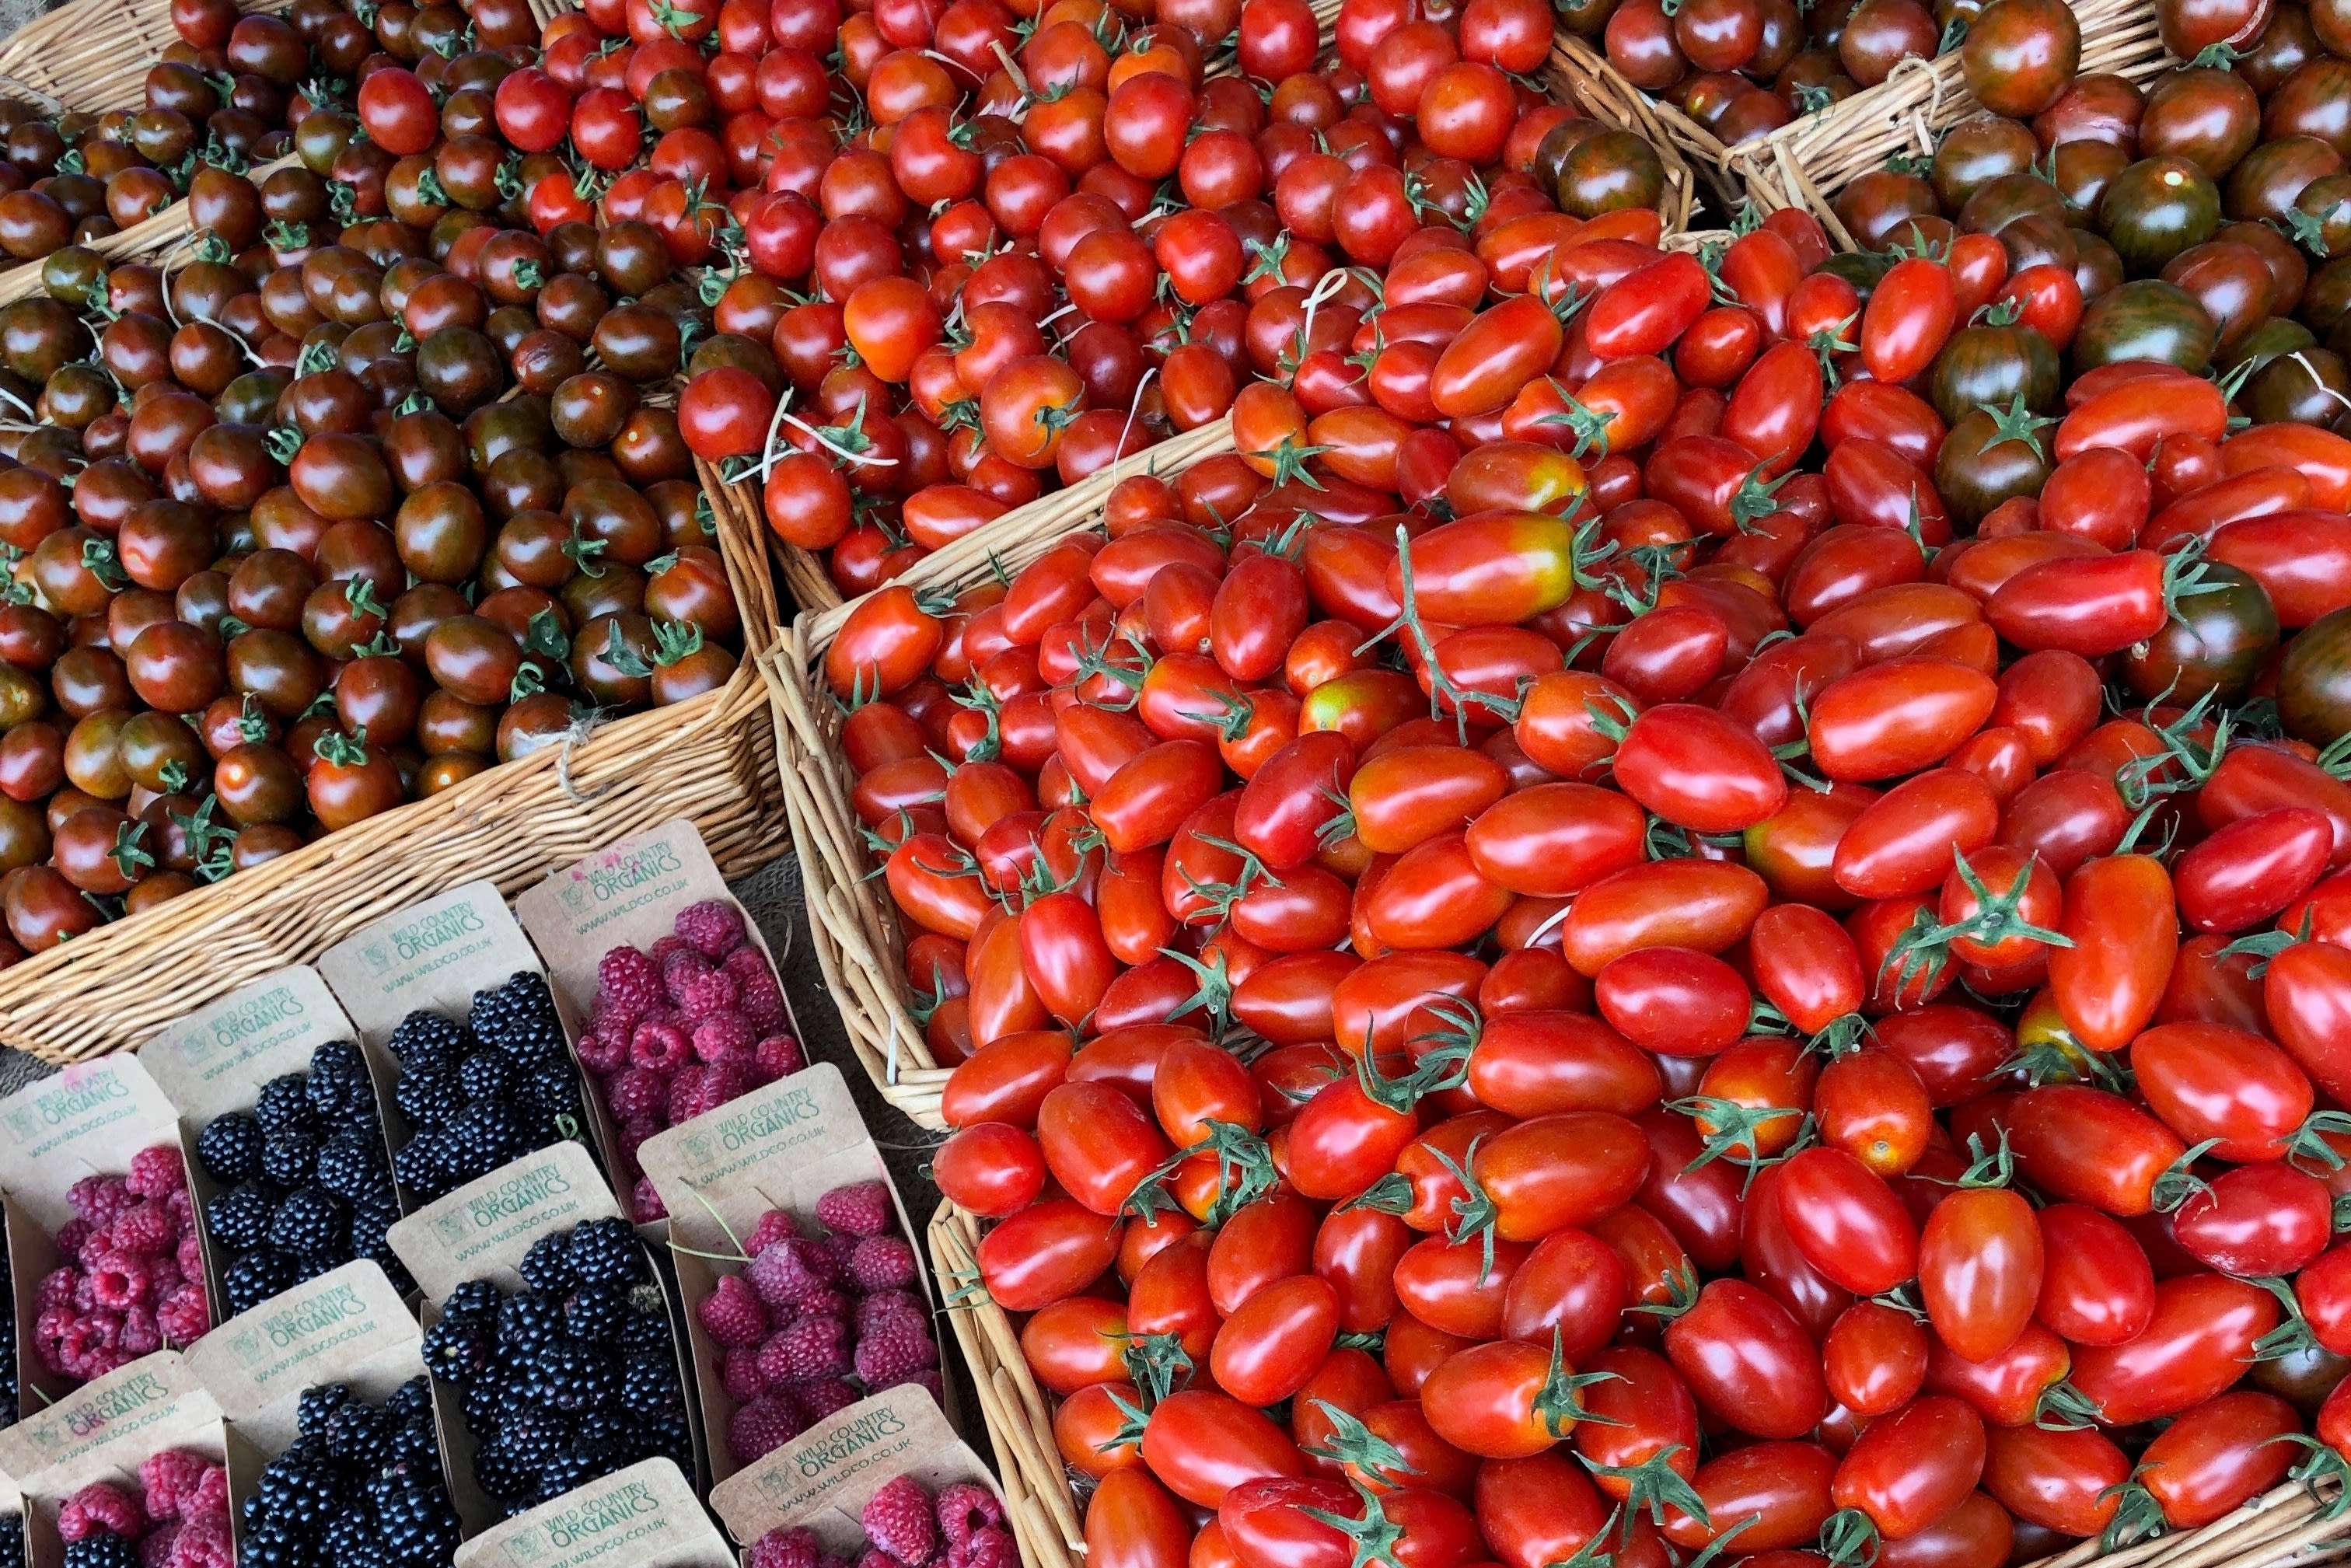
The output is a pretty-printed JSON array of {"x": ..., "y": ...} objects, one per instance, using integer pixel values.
[
  {"x": 98, "y": 1199},
  {"x": 665, "y": 948},
  {"x": 875, "y": 1557},
  {"x": 644, "y": 1204},
  {"x": 144, "y": 1229},
  {"x": 778, "y": 1056},
  {"x": 900, "y": 1521},
  {"x": 781, "y": 1548},
  {"x": 141, "y": 1336},
  {"x": 156, "y": 1546},
  {"x": 805, "y": 1348},
  {"x": 709, "y": 993},
  {"x": 659, "y": 1045},
  {"x": 679, "y": 968},
  {"x": 893, "y": 1352},
  {"x": 183, "y": 1210},
  {"x": 739, "y": 1373},
  {"x": 211, "y": 1500},
  {"x": 840, "y": 1246},
  {"x": 722, "y": 1037},
  {"x": 102, "y": 1505},
  {"x": 101, "y": 1243},
  {"x": 827, "y": 1301},
  {"x": 604, "y": 1050},
  {"x": 73, "y": 1235},
  {"x": 966, "y": 1507},
  {"x": 158, "y": 1171},
  {"x": 120, "y": 1279},
  {"x": 887, "y": 1306},
  {"x": 683, "y": 1087},
  {"x": 628, "y": 983},
  {"x": 787, "y": 1273},
  {"x": 776, "y": 1225},
  {"x": 762, "y": 1000},
  {"x": 190, "y": 1256},
  {"x": 862, "y": 1208},
  {"x": 733, "y": 1314},
  {"x": 85, "y": 1295},
  {"x": 882, "y": 1264},
  {"x": 745, "y": 962},
  {"x": 636, "y": 1092},
  {"x": 185, "y": 1316},
  {"x": 170, "y": 1480},
  {"x": 765, "y": 1423},
  {"x": 719, "y": 1084},
  {"x": 202, "y": 1545},
  {"x": 633, "y": 1133},
  {"x": 928, "y": 1380},
  {"x": 55, "y": 1290},
  {"x": 989, "y": 1547},
  {"x": 825, "y": 1396},
  {"x": 713, "y": 927}
]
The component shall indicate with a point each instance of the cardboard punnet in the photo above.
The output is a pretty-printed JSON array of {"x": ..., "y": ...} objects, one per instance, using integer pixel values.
[
  {"x": 109, "y": 1424},
  {"x": 89, "y": 1120},
  {"x": 823, "y": 1478},
  {"x": 432, "y": 955},
  {"x": 783, "y": 1146},
  {"x": 642, "y": 1517},
  {"x": 481, "y": 1231},
  {"x": 215, "y": 1060},
  {"x": 630, "y": 893}
]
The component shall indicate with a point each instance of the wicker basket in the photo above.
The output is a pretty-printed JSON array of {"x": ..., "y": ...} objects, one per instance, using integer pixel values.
[
  {"x": 94, "y": 54},
  {"x": 2280, "y": 1527},
  {"x": 712, "y": 759},
  {"x": 152, "y": 240},
  {"x": 1585, "y": 75},
  {"x": 853, "y": 924},
  {"x": 1807, "y": 162}
]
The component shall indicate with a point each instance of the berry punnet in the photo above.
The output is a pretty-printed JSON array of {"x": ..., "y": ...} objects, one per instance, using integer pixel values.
[
  {"x": 479, "y": 1094},
  {"x": 305, "y": 1183},
  {"x": 361, "y": 1484},
  {"x": 817, "y": 1320},
  {"x": 680, "y": 1030},
  {"x": 176, "y": 1516},
  {"x": 907, "y": 1526},
  {"x": 132, "y": 1281},
  {"x": 571, "y": 1377}
]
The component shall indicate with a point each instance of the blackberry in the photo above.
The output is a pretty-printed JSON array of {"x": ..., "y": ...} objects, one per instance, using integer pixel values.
[
  {"x": 229, "y": 1148},
  {"x": 423, "y": 1165},
  {"x": 644, "y": 1332},
  {"x": 518, "y": 1019},
  {"x": 412, "y": 1398},
  {"x": 503, "y": 1480},
  {"x": 528, "y": 1322},
  {"x": 284, "y": 1104},
  {"x": 568, "y": 1471},
  {"x": 486, "y": 1135},
  {"x": 476, "y": 1301},
  {"x": 606, "y": 1252},
  {"x": 606, "y": 1437},
  {"x": 102, "y": 1549},
  {"x": 347, "y": 1537},
  {"x": 239, "y": 1219},
  {"x": 416, "y": 1524},
  {"x": 428, "y": 1099},
  {"x": 318, "y": 1406},
  {"x": 351, "y": 1165},
  {"x": 266, "y": 1545},
  {"x": 456, "y": 1351},
  {"x": 415, "y": 1439},
  {"x": 359, "y": 1436},
  {"x": 257, "y": 1276},
  {"x": 530, "y": 1437},
  {"x": 649, "y": 1384},
  {"x": 481, "y": 1400},
  {"x": 353, "y": 1490},
  {"x": 486, "y": 1075},
  {"x": 593, "y": 1312},
  {"x": 548, "y": 1265},
  {"x": 297, "y": 1487},
  {"x": 12, "y": 1541},
  {"x": 551, "y": 1094},
  {"x": 427, "y": 1042},
  {"x": 338, "y": 1088},
  {"x": 289, "y": 1159},
  {"x": 310, "y": 1221}
]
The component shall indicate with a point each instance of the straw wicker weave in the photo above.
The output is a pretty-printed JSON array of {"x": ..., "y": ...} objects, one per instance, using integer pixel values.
[
  {"x": 1682, "y": 142},
  {"x": 2286, "y": 1526},
  {"x": 859, "y": 945},
  {"x": 94, "y": 54},
  {"x": 712, "y": 759},
  {"x": 152, "y": 240},
  {"x": 1806, "y": 163}
]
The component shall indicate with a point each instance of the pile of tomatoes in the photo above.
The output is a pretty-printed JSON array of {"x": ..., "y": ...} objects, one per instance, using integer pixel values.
[{"x": 1713, "y": 914}]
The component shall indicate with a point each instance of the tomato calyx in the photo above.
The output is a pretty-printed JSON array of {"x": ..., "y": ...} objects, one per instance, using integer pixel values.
[
  {"x": 1850, "y": 1539},
  {"x": 1374, "y": 1535},
  {"x": 1663, "y": 840},
  {"x": 1589, "y": 425},
  {"x": 1829, "y": 342},
  {"x": 1441, "y": 686},
  {"x": 1357, "y": 1447},
  {"x": 2137, "y": 780},
  {"x": 2179, "y": 1182},
  {"x": 2137, "y": 1514},
  {"x": 130, "y": 854},
  {"x": 1289, "y": 456},
  {"x": 2062, "y": 1407},
  {"x": 341, "y": 751},
  {"x": 1653, "y": 1485},
  {"x": 1157, "y": 1364},
  {"x": 1093, "y": 659},
  {"x": 2320, "y": 1464},
  {"x": 1924, "y": 946},
  {"x": 2293, "y": 1333},
  {"x": 1730, "y": 1126},
  {"x": 1214, "y": 994}
]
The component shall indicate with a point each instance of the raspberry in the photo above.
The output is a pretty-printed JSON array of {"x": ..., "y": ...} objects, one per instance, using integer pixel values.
[
  {"x": 118, "y": 1279},
  {"x": 185, "y": 1316},
  {"x": 986, "y": 1548},
  {"x": 201, "y": 1545},
  {"x": 739, "y": 1373},
  {"x": 628, "y": 983},
  {"x": 633, "y": 1133},
  {"x": 711, "y": 992},
  {"x": 762, "y": 1000},
  {"x": 805, "y": 1348},
  {"x": 776, "y": 1225},
  {"x": 98, "y": 1199},
  {"x": 724, "y": 1038},
  {"x": 73, "y": 1235},
  {"x": 733, "y": 1314},
  {"x": 55, "y": 1290},
  {"x": 887, "y": 1306},
  {"x": 781, "y": 1548},
  {"x": 682, "y": 1087},
  {"x": 139, "y": 1335},
  {"x": 825, "y": 1396},
  {"x": 862, "y": 1208},
  {"x": 181, "y": 1206},
  {"x": 787, "y": 1273},
  {"x": 829, "y": 1301},
  {"x": 899, "y": 1520},
  {"x": 767, "y": 1422},
  {"x": 778, "y": 1056},
  {"x": 211, "y": 1500},
  {"x": 965, "y": 1508},
  {"x": 665, "y": 948},
  {"x": 144, "y": 1229},
  {"x": 882, "y": 1264},
  {"x": 893, "y": 1352},
  {"x": 680, "y": 966},
  {"x": 190, "y": 1256},
  {"x": 928, "y": 1380},
  {"x": 875, "y": 1557},
  {"x": 713, "y": 927},
  {"x": 659, "y": 1045},
  {"x": 155, "y": 1547},
  {"x": 718, "y": 1085},
  {"x": 636, "y": 1092},
  {"x": 604, "y": 1050},
  {"x": 170, "y": 1480},
  {"x": 644, "y": 1203},
  {"x": 838, "y": 1246},
  {"x": 102, "y": 1505},
  {"x": 158, "y": 1171},
  {"x": 100, "y": 1243}
]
